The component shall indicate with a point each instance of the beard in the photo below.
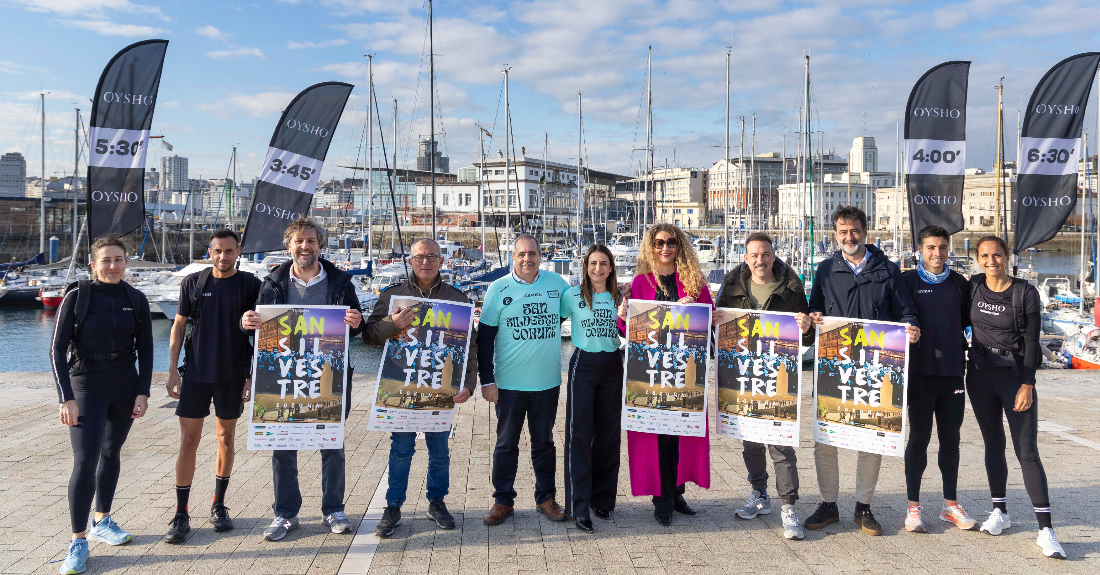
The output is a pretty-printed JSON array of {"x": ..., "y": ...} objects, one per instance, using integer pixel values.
[
  {"x": 851, "y": 249},
  {"x": 305, "y": 261}
]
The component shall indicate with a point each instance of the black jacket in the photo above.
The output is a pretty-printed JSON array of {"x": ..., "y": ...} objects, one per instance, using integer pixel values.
[
  {"x": 340, "y": 291},
  {"x": 878, "y": 293},
  {"x": 379, "y": 327},
  {"x": 789, "y": 296}
]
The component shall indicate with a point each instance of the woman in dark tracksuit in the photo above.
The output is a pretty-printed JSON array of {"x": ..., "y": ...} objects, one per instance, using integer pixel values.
[
  {"x": 594, "y": 406},
  {"x": 1000, "y": 380},
  {"x": 103, "y": 327}
]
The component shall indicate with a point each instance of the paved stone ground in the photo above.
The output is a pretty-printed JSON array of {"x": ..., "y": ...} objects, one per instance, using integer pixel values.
[{"x": 35, "y": 462}]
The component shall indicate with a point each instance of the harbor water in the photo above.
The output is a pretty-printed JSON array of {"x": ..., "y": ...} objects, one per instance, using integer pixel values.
[{"x": 25, "y": 333}]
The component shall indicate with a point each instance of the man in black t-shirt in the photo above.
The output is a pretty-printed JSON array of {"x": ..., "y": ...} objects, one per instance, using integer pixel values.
[
  {"x": 937, "y": 365},
  {"x": 218, "y": 357}
]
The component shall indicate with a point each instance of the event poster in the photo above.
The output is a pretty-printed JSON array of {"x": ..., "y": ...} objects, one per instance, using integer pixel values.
[
  {"x": 859, "y": 382},
  {"x": 299, "y": 377},
  {"x": 759, "y": 371},
  {"x": 667, "y": 368},
  {"x": 423, "y": 367}
]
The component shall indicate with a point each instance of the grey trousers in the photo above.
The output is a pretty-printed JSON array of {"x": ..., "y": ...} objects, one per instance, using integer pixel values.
[
  {"x": 828, "y": 473},
  {"x": 786, "y": 469}
]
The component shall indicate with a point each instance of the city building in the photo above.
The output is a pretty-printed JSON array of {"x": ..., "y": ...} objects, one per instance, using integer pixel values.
[
  {"x": 979, "y": 207},
  {"x": 424, "y": 157},
  {"x": 754, "y": 184},
  {"x": 173, "y": 173},
  {"x": 679, "y": 195},
  {"x": 13, "y": 175}
]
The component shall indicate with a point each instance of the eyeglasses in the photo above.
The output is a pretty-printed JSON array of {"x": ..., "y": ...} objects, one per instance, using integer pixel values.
[
  {"x": 670, "y": 242},
  {"x": 430, "y": 258}
]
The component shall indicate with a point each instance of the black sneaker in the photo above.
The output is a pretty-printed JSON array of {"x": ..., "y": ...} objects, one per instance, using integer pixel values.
[
  {"x": 602, "y": 514},
  {"x": 437, "y": 510},
  {"x": 178, "y": 529},
  {"x": 826, "y": 514},
  {"x": 391, "y": 517},
  {"x": 219, "y": 518},
  {"x": 866, "y": 520}
]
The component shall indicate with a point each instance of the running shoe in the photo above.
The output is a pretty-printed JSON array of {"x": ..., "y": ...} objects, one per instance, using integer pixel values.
[
  {"x": 337, "y": 522},
  {"x": 178, "y": 529},
  {"x": 792, "y": 525},
  {"x": 997, "y": 522},
  {"x": 1049, "y": 544},
  {"x": 955, "y": 514},
  {"x": 755, "y": 504},
  {"x": 827, "y": 513},
  {"x": 391, "y": 518},
  {"x": 219, "y": 518},
  {"x": 279, "y": 527},
  {"x": 107, "y": 531},
  {"x": 76, "y": 559},
  {"x": 913, "y": 521},
  {"x": 437, "y": 511}
]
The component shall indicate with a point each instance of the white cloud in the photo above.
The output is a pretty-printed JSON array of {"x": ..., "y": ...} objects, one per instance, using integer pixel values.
[
  {"x": 95, "y": 8},
  {"x": 168, "y": 105},
  {"x": 324, "y": 44},
  {"x": 50, "y": 95},
  {"x": 109, "y": 28},
  {"x": 212, "y": 33},
  {"x": 12, "y": 68},
  {"x": 254, "y": 105},
  {"x": 237, "y": 52}
]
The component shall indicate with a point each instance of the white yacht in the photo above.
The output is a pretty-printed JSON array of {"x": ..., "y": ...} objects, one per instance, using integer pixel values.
[{"x": 706, "y": 250}]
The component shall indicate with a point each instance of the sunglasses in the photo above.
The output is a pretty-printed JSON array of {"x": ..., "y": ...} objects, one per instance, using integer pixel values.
[{"x": 671, "y": 243}]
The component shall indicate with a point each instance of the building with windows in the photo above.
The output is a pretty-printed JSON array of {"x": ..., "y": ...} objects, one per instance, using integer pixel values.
[
  {"x": 678, "y": 196},
  {"x": 173, "y": 173},
  {"x": 13, "y": 175},
  {"x": 425, "y": 150},
  {"x": 979, "y": 207},
  {"x": 754, "y": 184}
]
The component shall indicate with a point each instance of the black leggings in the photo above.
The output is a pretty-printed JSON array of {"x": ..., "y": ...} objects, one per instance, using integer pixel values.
[
  {"x": 944, "y": 398},
  {"x": 993, "y": 393},
  {"x": 106, "y": 403}
]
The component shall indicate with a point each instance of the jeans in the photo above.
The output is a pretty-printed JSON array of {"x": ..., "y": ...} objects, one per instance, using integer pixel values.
[
  {"x": 288, "y": 496},
  {"x": 540, "y": 409},
  {"x": 402, "y": 448}
]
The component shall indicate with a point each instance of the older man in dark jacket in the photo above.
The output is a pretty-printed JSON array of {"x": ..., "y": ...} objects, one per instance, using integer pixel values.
[
  {"x": 383, "y": 323},
  {"x": 764, "y": 282},
  {"x": 857, "y": 282}
]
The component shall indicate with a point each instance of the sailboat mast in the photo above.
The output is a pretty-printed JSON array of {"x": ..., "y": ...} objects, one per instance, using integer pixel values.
[
  {"x": 480, "y": 191},
  {"x": 809, "y": 159},
  {"x": 741, "y": 178},
  {"x": 754, "y": 191},
  {"x": 76, "y": 190},
  {"x": 542, "y": 187},
  {"x": 393, "y": 228},
  {"x": 1081, "y": 277},
  {"x": 431, "y": 106},
  {"x": 648, "y": 137},
  {"x": 726, "y": 210},
  {"x": 42, "y": 200},
  {"x": 1000, "y": 146},
  {"x": 580, "y": 183},
  {"x": 369, "y": 180},
  {"x": 507, "y": 161}
]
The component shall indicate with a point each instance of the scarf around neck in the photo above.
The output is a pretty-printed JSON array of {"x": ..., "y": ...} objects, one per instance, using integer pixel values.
[{"x": 930, "y": 277}]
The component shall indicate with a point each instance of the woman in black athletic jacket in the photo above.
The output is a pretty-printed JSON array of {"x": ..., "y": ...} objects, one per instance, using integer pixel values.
[
  {"x": 1000, "y": 380},
  {"x": 103, "y": 327}
]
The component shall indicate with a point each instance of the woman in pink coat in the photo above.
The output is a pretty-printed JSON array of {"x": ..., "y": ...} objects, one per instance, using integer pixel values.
[{"x": 660, "y": 465}]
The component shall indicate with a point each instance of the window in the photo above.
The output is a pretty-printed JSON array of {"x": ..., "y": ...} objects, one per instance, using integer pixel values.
[
  {"x": 691, "y": 211},
  {"x": 971, "y": 220},
  {"x": 445, "y": 198}
]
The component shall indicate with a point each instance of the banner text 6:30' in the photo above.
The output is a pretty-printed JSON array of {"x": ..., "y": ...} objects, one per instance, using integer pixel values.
[
  {"x": 936, "y": 156},
  {"x": 295, "y": 170},
  {"x": 1054, "y": 155},
  {"x": 122, "y": 148}
]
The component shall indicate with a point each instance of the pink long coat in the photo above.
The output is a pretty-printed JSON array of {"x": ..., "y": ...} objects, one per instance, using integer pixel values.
[{"x": 694, "y": 465}]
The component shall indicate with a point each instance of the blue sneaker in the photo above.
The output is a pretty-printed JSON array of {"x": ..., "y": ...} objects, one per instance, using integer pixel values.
[
  {"x": 107, "y": 531},
  {"x": 76, "y": 560}
]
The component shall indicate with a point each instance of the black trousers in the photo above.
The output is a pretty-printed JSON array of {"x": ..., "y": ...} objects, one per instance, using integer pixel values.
[
  {"x": 992, "y": 395},
  {"x": 106, "y": 403},
  {"x": 668, "y": 459},
  {"x": 540, "y": 409},
  {"x": 593, "y": 432},
  {"x": 944, "y": 399}
]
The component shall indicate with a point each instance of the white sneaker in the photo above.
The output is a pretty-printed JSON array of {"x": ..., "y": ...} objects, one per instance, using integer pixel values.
[
  {"x": 755, "y": 505},
  {"x": 997, "y": 522},
  {"x": 913, "y": 521},
  {"x": 1049, "y": 544},
  {"x": 792, "y": 524}
]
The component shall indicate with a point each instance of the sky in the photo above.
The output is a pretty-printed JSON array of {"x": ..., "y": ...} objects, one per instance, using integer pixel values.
[{"x": 232, "y": 66}]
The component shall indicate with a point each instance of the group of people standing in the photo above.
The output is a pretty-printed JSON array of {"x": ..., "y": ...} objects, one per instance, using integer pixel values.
[{"x": 104, "y": 328}]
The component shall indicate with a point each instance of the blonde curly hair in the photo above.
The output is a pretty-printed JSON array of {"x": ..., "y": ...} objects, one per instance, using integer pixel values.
[{"x": 687, "y": 263}]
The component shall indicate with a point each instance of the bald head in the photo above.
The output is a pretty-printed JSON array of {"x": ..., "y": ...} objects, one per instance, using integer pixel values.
[{"x": 424, "y": 243}]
